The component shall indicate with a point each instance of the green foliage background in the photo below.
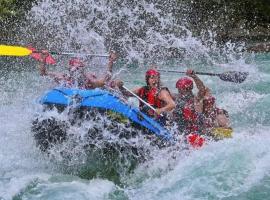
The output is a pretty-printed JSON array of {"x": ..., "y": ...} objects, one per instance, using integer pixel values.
[{"x": 10, "y": 9}]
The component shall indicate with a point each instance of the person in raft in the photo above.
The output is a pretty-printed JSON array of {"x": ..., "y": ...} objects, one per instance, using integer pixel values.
[
  {"x": 214, "y": 121},
  {"x": 154, "y": 94},
  {"x": 191, "y": 112},
  {"x": 76, "y": 76},
  {"x": 188, "y": 105}
]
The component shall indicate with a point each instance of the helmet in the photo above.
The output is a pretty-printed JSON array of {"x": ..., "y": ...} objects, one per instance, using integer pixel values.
[
  {"x": 76, "y": 62},
  {"x": 210, "y": 100},
  {"x": 184, "y": 83},
  {"x": 151, "y": 72}
]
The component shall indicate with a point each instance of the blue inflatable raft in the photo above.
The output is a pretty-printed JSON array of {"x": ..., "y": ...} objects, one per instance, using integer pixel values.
[{"x": 103, "y": 99}]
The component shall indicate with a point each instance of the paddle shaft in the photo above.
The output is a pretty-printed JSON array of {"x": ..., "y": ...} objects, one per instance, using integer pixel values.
[
  {"x": 135, "y": 95},
  {"x": 84, "y": 54},
  {"x": 73, "y": 53},
  {"x": 231, "y": 76},
  {"x": 200, "y": 73},
  {"x": 7, "y": 50}
]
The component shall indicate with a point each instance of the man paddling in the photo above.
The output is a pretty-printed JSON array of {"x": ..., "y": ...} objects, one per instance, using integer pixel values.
[
  {"x": 214, "y": 121},
  {"x": 192, "y": 111},
  {"x": 155, "y": 95},
  {"x": 188, "y": 105},
  {"x": 77, "y": 77}
]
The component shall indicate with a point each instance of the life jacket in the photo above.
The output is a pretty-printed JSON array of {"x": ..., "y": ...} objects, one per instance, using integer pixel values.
[
  {"x": 185, "y": 115},
  {"x": 151, "y": 97}
]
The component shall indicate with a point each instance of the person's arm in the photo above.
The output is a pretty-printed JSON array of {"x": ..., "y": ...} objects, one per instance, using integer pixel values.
[
  {"x": 120, "y": 84},
  {"x": 43, "y": 70},
  {"x": 128, "y": 94},
  {"x": 167, "y": 98},
  {"x": 96, "y": 83},
  {"x": 112, "y": 59},
  {"x": 41, "y": 65},
  {"x": 203, "y": 91}
]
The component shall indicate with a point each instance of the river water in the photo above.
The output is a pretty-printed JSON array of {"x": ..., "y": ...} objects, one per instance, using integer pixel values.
[{"x": 236, "y": 168}]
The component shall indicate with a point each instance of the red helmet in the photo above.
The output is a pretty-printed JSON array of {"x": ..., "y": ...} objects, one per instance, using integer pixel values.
[
  {"x": 184, "y": 83},
  {"x": 76, "y": 62},
  {"x": 210, "y": 100},
  {"x": 151, "y": 72}
]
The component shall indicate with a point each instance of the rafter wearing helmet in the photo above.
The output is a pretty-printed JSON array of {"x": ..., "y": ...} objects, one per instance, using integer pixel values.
[
  {"x": 77, "y": 76},
  {"x": 213, "y": 117},
  {"x": 188, "y": 105},
  {"x": 154, "y": 94},
  {"x": 194, "y": 112}
]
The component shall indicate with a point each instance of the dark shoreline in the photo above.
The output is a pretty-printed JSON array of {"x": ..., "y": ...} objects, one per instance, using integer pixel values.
[
  {"x": 242, "y": 21},
  {"x": 259, "y": 48}
]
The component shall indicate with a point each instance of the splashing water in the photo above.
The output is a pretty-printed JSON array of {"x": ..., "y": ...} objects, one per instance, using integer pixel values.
[{"x": 144, "y": 33}]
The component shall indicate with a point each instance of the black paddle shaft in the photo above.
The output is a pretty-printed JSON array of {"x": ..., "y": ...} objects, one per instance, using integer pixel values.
[{"x": 231, "y": 76}]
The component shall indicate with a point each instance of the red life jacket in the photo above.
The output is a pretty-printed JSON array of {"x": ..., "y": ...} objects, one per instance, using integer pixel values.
[
  {"x": 150, "y": 96},
  {"x": 185, "y": 114},
  {"x": 189, "y": 112}
]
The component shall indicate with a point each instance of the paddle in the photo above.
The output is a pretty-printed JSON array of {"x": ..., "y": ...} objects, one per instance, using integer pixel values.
[
  {"x": 6, "y": 50},
  {"x": 139, "y": 98},
  {"x": 231, "y": 76}
]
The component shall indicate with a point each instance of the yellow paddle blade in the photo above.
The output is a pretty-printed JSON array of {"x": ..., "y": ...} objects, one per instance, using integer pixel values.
[{"x": 6, "y": 50}]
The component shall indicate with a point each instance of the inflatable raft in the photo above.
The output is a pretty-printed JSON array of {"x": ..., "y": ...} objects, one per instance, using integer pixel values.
[{"x": 86, "y": 104}]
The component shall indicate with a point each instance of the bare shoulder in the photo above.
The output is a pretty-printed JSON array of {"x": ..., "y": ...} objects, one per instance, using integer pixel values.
[{"x": 165, "y": 93}]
